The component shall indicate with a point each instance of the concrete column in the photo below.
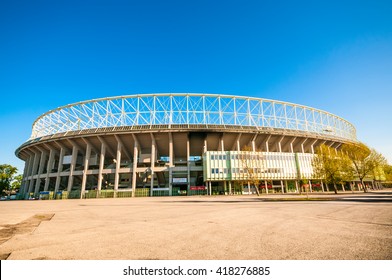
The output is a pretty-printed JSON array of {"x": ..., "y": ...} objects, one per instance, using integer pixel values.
[
  {"x": 40, "y": 169},
  {"x": 249, "y": 192},
  {"x": 49, "y": 169},
  {"x": 230, "y": 192},
  {"x": 209, "y": 187},
  {"x": 224, "y": 187},
  {"x": 72, "y": 167},
  {"x": 118, "y": 165},
  {"x": 26, "y": 173},
  {"x": 222, "y": 144},
  {"x": 86, "y": 163},
  {"x": 280, "y": 144},
  {"x": 266, "y": 186},
  {"x": 101, "y": 165},
  {"x": 310, "y": 186},
  {"x": 32, "y": 172},
  {"x": 171, "y": 160},
  {"x": 302, "y": 145},
  {"x": 134, "y": 166},
  {"x": 188, "y": 154},
  {"x": 291, "y": 145},
  {"x": 204, "y": 147},
  {"x": 322, "y": 185},
  {"x": 153, "y": 147},
  {"x": 312, "y": 146},
  {"x": 296, "y": 186},
  {"x": 281, "y": 185},
  {"x": 60, "y": 168}
]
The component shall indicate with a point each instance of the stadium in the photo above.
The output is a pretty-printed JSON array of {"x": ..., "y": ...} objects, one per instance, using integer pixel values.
[{"x": 177, "y": 144}]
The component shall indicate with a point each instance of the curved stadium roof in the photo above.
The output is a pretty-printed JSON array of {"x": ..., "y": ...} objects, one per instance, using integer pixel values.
[{"x": 210, "y": 110}]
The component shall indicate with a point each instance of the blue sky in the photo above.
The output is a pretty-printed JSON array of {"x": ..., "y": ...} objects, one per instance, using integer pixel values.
[{"x": 331, "y": 55}]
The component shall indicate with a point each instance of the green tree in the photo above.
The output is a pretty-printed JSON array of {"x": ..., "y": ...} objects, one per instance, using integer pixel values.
[
  {"x": 331, "y": 165},
  {"x": 7, "y": 173},
  {"x": 17, "y": 182},
  {"x": 388, "y": 172},
  {"x": 363, "y": 160},
  {"x": 251, "y": 165}
]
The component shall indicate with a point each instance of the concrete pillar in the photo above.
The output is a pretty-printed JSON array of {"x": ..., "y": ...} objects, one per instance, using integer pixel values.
[
  {"x": 40, "y": 169},
  {"x": 322, "y": 185},
  {"x": 296, "y": 186},
  {"x": 210, "y": 188},
  {"x": 171, "y": 160},
  {"x": 230, "y": 192},
  {"x": 224, "y": 187},
  {"x": 49, "y": 169},
  {"x": 134, "y": 166},
  {"x": 310, "y": 186},
  {"x": 27, "y": 171},
  {"x": 118, "y": 165},
  {"x": 291, "y": 145},
  {"x": 101, "y": 165},
  {"x": 59, "y": 169},
  {"x": 153, "y": 149},
  {"x": 281, "y": 185},
  {"x": 302, "y": 145},
  {"x": 266, "y": 186},
  {"x": 32, "y": 171},
  {"x": 72, "y": 168},
  {"x": 187, "y": 163},
  {"x": 86, "y": 163},
  {"x": 280, "y": 144}
]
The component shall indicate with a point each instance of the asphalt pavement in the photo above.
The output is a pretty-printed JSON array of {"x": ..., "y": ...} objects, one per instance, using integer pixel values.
[{"x": 352, "y": 226}]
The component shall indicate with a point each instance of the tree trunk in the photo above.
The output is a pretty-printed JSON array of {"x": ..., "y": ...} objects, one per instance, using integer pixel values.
[
  {"x": 335, "y": 188},
  {"x": 363, "y": 185}
]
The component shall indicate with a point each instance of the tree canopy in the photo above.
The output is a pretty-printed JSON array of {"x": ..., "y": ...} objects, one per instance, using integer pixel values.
[
  {"x": 364, "y": 160},
  {"x": 331, "y": 166},
  {"x": 7, "y": 173}
]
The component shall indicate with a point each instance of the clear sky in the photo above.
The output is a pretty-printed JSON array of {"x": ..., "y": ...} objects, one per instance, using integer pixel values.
[{"x": 331, "y": 55}]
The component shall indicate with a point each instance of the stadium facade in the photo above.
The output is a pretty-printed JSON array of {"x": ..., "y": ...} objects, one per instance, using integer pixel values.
[{"x": 176, "y": 144}]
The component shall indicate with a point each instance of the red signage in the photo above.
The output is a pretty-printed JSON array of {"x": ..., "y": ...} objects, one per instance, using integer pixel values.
[{"x": 197, "y": 188}]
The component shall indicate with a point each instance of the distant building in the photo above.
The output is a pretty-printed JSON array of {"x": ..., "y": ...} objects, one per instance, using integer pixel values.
[{"x": 176, "y": 144}]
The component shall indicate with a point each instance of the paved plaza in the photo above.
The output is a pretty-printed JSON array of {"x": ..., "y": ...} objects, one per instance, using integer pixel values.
[{"x": 345, "y": 226}]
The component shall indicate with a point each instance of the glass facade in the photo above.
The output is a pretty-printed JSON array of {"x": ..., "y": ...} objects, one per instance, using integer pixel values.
[{"x": 246, "y": 165}]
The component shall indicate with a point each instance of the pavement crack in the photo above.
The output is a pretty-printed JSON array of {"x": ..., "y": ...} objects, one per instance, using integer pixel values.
[{"x": 27, "y": 226}]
